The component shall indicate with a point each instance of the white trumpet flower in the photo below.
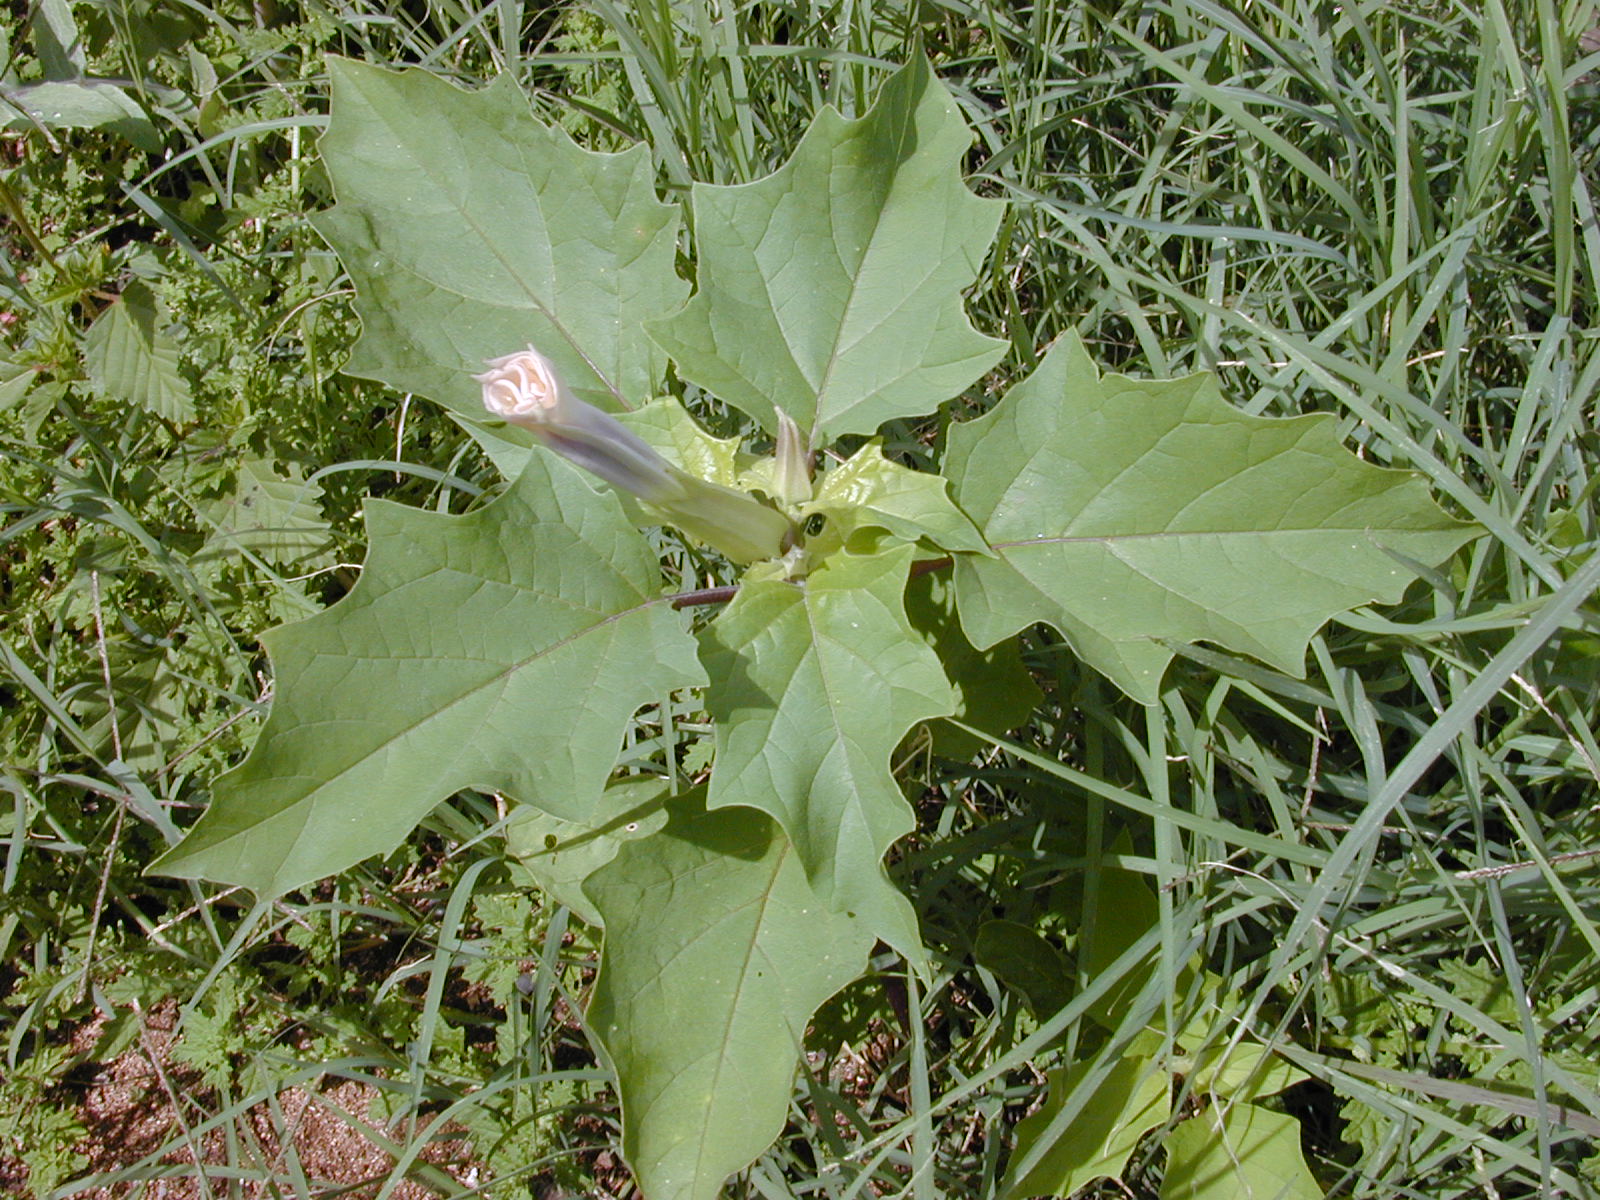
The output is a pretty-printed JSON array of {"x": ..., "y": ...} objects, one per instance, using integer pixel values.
[{"x": 525, "y": 390}]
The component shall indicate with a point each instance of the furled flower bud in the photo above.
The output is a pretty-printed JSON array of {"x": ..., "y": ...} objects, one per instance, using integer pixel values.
[
  {"x": 791, "y": 465},
  {"x": 524, "y": 389}
]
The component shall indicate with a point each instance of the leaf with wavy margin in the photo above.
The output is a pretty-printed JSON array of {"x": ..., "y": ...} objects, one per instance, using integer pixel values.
[
  {"x": 1131, "y": 514},
  {"x": 471, "y": 230},
  {"x": 717, "y": 952},
  {"x": 831, "y": 289},
  {"x": 504, "y": 650}
]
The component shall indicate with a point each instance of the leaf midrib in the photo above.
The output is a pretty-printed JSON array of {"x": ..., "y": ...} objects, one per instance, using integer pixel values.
[
  {"x": 1297, "y": 531},
  {"x": 464, "y": 213},
  {"x": 329, "y": 782}
]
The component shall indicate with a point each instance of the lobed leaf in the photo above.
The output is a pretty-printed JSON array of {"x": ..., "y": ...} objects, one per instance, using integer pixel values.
[
  {"x": 503, "y": 650},
  {"x": 717, "y": 952},
  {"x": 557, "y": 855},
  {"x": 870, "y": 491},
  {"x": 813, "y": 684},
  {"x": 831, "y": 289},
  {"x": 471, "y": 230},
  {"x": 1097, "y": 1143},
  {"x": 1130, "y": 514},
  {"x": 1231, "y": 1151},
  {"x": 994, "y": 692}
]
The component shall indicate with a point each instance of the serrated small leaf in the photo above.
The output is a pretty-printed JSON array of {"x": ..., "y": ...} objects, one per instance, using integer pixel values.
[
  {"x": 831, "y": 289},
  {"x": 1132, "y": 1099},
  {"x": 717, "y": 952},
  {"x": 504, "y": 650},
  {"x": 1134, "y": 513},
  {"x": 559, "y": 855},
  {"x": 813, "y": 685},
  {"x": 1237, "y": 1152},
  {"x": 471, "y": 230},
  {"x": 272, "y": 515},
  {"x": 869, "y": 491},
  {"x": 129, "y": 358}
]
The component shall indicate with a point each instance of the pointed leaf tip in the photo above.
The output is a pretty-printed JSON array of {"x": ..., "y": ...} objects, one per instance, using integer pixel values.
[
  {"x": 717, "y": 952},
  {"x": 470, "y": 228},
  {"x": 813, "y": 685},
  {"x": 831, "y": 289},
  {"x": 557, "y": 635},
  {"x": 1130, "y": 514}
]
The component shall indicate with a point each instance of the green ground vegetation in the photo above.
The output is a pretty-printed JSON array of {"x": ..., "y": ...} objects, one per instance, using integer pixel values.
[{"x": 1369, "y": 889}]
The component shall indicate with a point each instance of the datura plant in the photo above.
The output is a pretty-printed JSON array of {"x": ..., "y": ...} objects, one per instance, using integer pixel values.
[{"x": 507, "y": 650}]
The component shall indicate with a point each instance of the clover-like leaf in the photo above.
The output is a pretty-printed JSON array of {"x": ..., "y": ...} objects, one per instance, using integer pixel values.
[
  {"x": 502, "y": 650},
  {"x": 813, "y": 684},
  {"x": 831, "y": 289},
  {"x": 471, "y": 229},
  {"x": 717, "y": 952},
  {"x": 1130, "y": 514}
]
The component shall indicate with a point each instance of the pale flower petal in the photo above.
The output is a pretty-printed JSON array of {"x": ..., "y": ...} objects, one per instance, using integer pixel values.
[{"x": 525, "y": 390}]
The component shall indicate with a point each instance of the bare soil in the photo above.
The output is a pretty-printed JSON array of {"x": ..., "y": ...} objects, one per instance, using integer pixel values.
[{"x": 143, "y": 1106}]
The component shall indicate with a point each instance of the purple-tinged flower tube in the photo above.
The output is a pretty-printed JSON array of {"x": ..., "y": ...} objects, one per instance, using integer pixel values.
[{"x": 524, "y": 390}]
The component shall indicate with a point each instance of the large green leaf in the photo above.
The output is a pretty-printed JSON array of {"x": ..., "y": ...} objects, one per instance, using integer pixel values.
[
  {"x": 813, "y": 683},
  {"x": 1238, "y": 1071},
  {"x": 558, "y": 855},
  {"x": 1133, "y": 1098},
  {"x": 1025, "y": 960},
  {"x": 129, "y": 358},
  {"x": 717, "y": 952},
  {"x": 1237, "y": 1152},
  {"x": 1131, "y": 514},
  {"x": 470, "y": 230},
  {"x": 831, "y": 289},
  {"x": 505, "y": 650},
  {"x": 78, "y": 104}
]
